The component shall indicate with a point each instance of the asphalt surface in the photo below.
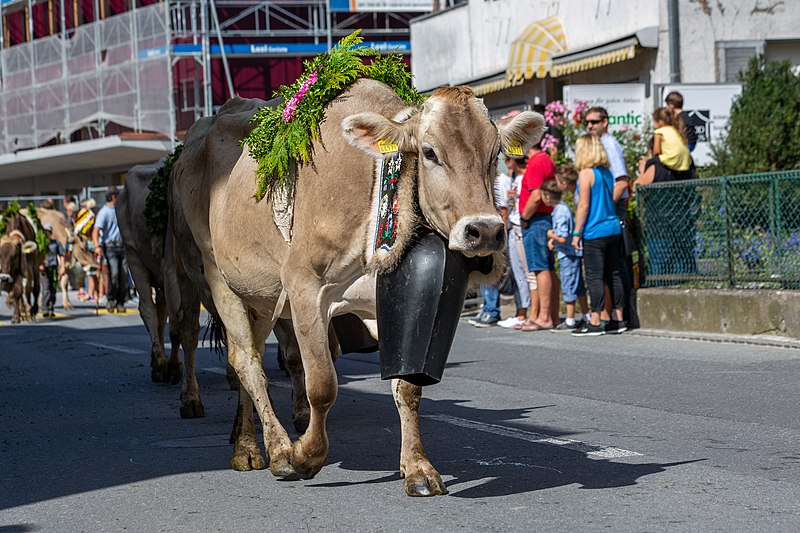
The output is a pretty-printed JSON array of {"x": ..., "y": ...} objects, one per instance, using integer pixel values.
[{"x": 530, "y": 431}]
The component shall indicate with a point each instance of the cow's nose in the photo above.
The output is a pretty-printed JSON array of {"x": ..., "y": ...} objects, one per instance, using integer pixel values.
[
  {"x": 6, "y": 278},
  {"x": 485, "y": 236}
]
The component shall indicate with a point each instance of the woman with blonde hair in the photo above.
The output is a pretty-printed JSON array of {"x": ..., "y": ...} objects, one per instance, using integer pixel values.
[{"x": 598, "y": 234}]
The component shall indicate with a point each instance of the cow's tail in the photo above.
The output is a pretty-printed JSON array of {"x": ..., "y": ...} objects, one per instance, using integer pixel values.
[{"x": 215, "y": 333}]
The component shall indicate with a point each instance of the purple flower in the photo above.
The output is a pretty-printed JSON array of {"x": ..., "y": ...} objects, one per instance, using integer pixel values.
[{"x": 291, "y": 106}]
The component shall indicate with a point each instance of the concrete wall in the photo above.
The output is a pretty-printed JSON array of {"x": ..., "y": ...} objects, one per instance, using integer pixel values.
[{"x": 739, "y": 312}]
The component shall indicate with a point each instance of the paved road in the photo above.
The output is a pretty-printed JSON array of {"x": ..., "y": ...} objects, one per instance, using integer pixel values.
[{"x": 531, "y": 431}]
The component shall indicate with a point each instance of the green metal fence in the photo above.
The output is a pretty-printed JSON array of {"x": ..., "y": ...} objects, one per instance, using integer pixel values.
[{"x": 730, "y": 232}]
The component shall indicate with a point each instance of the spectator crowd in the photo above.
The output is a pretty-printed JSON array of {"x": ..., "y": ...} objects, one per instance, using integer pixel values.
[{"x": 588, "y": 241}]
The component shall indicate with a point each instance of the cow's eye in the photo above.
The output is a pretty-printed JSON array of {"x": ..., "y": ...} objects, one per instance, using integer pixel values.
[{"x": 430, "y": 154}]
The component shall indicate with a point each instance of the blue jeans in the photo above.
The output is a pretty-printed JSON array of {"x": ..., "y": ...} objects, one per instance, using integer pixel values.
[
  {"x": 117, "y": 273},
  {"x": 534, "y": 238},
  {"x": 491, "y": 300}
]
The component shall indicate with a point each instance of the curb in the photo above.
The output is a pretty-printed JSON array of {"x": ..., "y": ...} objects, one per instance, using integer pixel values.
[{"x": 756, "y": 340}]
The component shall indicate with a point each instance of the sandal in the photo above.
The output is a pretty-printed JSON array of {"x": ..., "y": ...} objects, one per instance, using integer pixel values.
[{"x": 533, "y": 326}]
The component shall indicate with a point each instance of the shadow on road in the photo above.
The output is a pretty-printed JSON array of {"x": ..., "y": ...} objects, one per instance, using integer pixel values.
[{"x": 79, "y": 413}]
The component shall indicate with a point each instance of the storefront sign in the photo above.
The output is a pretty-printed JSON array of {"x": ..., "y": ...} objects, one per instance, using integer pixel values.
[
  {"x": 624, "y": 102},
  {"x": 709, "y": 107},
  {"x": 354, "y": 6}
]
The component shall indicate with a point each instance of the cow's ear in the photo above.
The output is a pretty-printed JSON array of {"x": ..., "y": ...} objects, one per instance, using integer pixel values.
[
  {"x": 519, "y": 133},
  {"x": 29, "y": 247},
  {"x": 377, "y": 135}
]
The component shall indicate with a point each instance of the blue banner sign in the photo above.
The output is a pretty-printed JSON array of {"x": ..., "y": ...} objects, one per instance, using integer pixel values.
[{"x": 271, "y": 49}]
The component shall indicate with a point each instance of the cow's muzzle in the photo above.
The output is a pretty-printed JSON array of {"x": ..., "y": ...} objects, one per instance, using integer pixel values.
[
  {"x": 6, "y": 278},
  {"x": 480, "y": 235}
]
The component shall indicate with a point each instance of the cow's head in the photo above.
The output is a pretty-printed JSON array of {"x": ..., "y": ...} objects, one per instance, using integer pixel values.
[
  {"x": 12, "y": 249},
  {"x": 456, "y": 145}
]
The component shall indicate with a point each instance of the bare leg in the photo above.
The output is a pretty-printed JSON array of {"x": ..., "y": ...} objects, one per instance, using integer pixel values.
[
  {"x": 421, "y": 478},
  {"x": 545, "y": 285}
]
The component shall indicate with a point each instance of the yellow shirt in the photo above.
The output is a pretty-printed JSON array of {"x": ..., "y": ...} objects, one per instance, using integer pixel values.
[{"x": 674, "y": 154}]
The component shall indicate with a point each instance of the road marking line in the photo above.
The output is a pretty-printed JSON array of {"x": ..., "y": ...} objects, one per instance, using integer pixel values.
[
  {"x": 591, "y": 450},
  {"x": 115, "y": 348}
]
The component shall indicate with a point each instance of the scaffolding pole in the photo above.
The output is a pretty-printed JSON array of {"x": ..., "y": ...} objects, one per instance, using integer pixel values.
[
  {"x": 170, "y": 81},
  {"x": 222, "y": 49}
]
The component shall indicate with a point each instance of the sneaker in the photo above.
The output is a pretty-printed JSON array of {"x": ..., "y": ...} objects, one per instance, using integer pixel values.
[
  {"x": 121, "y": 309},
  {"x": 510, "y": 322},
  {"x": 111, "y": 306},
  {"x": 486, "y": 321},
  {"x": 589, "y": 330},
  {"x": 563, "y": 326},
  {"x": 615, "y": 327}
]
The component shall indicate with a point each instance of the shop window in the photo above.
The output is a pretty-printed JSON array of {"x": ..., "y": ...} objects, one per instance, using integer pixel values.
[{"x": 734, "y": 56}]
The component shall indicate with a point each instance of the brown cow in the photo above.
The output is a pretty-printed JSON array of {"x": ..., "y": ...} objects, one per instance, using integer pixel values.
[
  {"x": 19, "y": 260},
  {"x": 78, "y": 250},
  {"x": 452, "y": 147}
]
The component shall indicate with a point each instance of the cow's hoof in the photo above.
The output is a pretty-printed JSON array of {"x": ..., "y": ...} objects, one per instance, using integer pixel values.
[
  {"x": 281, "y": 468},
  {"x": 247, "y": 458},
  {"x": 422, "y": 485},
  {"x": 308, "y": 462},
  {"x": 192, "y": 409}
]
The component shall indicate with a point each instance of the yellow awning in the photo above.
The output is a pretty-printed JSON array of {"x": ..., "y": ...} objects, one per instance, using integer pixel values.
[
  {"x": 589, "y": 59},
  {"x": 531, "y": 52},
  {"x": 492, "y": 86}
]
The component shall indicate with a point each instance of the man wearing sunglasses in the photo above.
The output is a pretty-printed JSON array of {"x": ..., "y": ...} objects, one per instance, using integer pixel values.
[{"x": 596, "y": 120}]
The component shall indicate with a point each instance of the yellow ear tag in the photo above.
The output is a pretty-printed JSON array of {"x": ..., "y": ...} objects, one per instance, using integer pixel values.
[
  {"x": 387, "y": 147},
  {"x": 514, "y": 149}
]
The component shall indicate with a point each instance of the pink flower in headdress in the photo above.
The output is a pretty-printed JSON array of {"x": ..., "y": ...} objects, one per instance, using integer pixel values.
[{"x": 291, "y": 106}]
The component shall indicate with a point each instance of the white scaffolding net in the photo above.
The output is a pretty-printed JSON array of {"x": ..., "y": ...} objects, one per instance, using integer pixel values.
[{"x": 114, "y": 70}]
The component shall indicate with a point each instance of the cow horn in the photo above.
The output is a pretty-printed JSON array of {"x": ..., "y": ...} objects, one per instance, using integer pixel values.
[
  {"x": 18, "y": 234},
  {"x": 29, "y": 247}
]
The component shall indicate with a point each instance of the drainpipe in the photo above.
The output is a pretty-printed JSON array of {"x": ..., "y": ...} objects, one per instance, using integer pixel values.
[{"x": 674, "y": 42}]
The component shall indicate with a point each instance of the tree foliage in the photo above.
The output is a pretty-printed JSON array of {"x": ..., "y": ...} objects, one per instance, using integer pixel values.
[{"x": 763, "y": 131}]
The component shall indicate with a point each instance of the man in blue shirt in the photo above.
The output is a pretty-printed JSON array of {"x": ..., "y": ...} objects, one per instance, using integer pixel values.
[{"x": 108, "y": 240}]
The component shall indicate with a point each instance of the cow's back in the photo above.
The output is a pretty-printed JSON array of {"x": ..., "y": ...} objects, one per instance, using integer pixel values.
[{"x": 130, "y": 215}]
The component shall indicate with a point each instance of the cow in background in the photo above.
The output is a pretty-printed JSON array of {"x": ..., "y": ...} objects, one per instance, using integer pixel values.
[{"x": 19, "y": 260}]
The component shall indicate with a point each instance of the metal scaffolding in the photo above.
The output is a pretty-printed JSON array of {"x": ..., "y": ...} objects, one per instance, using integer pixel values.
[{"x": 121, "y": 68}]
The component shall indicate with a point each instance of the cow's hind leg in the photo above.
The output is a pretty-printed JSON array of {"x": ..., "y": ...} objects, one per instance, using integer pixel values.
[
  {"x": 154, "y": 317},
  {"x": 246, "y": 334},
  {"x": 188, "y": 331},
  {"x": 63, "y": 282},
  {"x": 246, "y": 453},
  {"x": 420, "y": 477}
]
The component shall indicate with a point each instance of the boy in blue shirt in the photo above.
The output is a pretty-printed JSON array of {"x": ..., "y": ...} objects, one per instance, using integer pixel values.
[{"x": 569, "y": 258}]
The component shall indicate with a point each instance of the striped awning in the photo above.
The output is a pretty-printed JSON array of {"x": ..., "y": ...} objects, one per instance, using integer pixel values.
[
  {"x": 492, "y": 86},
  {"x": 578, "y": 61},
  {"x": 532, "y": 51}
]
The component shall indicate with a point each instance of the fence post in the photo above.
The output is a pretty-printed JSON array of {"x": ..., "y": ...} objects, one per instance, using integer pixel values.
[
  {"x": 777, "y": 233},
  {"x": 728, "y": 232}
]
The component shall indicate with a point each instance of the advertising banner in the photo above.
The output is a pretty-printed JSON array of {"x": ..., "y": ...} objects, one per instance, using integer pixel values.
[
  {"x": 709, "y": 108},
  {"x": 625, "y": 102},
  {"x": 355, "y": 6}
]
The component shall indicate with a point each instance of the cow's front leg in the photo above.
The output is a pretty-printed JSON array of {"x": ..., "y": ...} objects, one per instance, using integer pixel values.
[{"x": 420, "y": 477}]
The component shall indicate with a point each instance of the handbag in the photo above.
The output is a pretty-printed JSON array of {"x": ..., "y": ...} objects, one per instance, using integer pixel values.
[{"x": 628, "y": 243}]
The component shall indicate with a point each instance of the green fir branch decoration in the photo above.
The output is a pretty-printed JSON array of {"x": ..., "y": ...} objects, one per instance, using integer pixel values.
[
  {"x": 156, "y": 208},
  {"x": 283, "y": 136},
  {"x": 42, "y": 241},
  {"x": 14, "y": 208},
  {"x": 10, "y": 210}
]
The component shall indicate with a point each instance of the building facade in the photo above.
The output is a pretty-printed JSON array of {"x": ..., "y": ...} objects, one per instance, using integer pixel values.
[
  {"x": 515, "y": 53},
  {"x": 89, "y": 88}
]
